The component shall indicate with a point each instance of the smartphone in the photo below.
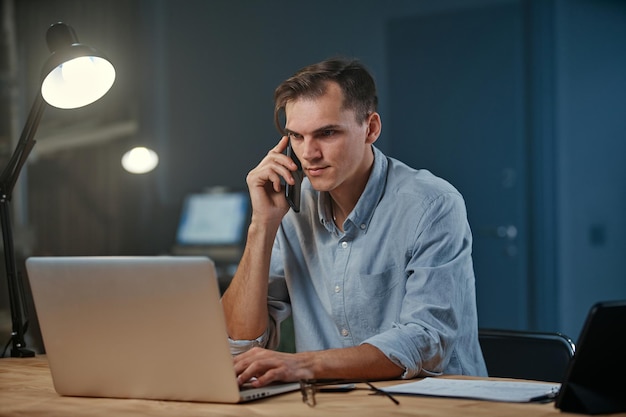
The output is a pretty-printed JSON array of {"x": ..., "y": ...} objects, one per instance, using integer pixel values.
[{"x": 292, "y": 192}]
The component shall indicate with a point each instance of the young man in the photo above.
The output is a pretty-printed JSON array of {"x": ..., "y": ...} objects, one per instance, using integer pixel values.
[{"x": 375, "y": 269}]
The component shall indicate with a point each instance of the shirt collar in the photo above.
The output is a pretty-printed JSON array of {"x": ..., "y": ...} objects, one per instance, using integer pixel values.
[{"x": 362, "y": 213}]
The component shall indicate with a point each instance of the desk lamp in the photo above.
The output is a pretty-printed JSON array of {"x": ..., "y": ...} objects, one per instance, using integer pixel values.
[{"x": 74, "y": 76}]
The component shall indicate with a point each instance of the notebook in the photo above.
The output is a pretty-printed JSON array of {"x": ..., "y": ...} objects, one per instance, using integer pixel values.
[
  {"x": 136, "y": 327},
  {"x": 594, "y": 381}
]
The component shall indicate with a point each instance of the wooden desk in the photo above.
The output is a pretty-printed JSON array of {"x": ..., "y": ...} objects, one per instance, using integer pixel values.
[{"x": 26, "y": 390}]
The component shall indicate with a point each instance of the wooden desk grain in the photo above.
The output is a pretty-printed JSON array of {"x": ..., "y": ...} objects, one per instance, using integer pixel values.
[{"x": 26, "y": 390}]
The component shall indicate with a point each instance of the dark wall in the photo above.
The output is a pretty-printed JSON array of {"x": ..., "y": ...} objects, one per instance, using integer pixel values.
[
  {"x": 590, "y": 163},
  {"x": 198, "y": 76}
]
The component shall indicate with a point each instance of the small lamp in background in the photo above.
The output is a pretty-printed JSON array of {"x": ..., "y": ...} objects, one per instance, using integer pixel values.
[
  {"x": 140, "y": 160},
  {"x": 74, "y": 76}
]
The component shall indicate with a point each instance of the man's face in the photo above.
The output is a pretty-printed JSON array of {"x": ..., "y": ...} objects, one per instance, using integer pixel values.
[{"x": 332, "y": 146}]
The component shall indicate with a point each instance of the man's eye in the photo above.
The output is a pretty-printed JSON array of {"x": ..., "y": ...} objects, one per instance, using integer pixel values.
[{"x": 328, "y": 132}]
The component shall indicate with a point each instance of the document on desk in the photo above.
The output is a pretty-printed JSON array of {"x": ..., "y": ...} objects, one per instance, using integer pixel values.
[{"x": 491, "y": 390}]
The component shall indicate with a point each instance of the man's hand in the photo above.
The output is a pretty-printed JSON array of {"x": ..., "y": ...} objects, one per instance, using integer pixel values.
[
  {"x": 261, "y": 366},
  {"x": 264, "y": 184},
  {"x": 267, "y": 366}
]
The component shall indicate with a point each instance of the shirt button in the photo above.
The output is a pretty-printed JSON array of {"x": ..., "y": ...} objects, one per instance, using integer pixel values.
[
  {"x": 344, "y": 244},
  {"x": 344, "y": 332},
  {"x": 363, "y": 226},
  {"x": 337, "y": 289}
]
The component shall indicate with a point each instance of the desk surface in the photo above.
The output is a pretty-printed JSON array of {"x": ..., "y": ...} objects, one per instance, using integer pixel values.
[{"x": 26, "y": 389}]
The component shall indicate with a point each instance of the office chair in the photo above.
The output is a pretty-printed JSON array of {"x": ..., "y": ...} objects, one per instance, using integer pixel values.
[{"x": 526, "y": 355}]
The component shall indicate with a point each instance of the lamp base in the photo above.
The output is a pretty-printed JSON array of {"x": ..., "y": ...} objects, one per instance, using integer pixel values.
[{"x": 22, "y": 353}]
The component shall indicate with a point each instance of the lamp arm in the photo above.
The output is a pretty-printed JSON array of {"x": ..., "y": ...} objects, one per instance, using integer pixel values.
[
  {"x": 8, "y": 178},
  {"x": 11, "y": 172}
]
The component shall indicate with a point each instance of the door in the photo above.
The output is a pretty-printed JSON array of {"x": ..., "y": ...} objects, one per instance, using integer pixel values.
[{"x": 457, "y": 83}]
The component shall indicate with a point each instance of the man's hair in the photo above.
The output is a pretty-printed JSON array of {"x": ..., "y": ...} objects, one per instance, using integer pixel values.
[{"x": 357, "y": 85}]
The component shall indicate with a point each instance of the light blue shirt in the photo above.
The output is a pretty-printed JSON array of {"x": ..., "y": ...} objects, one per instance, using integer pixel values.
[{"x": 400, "y": 277}]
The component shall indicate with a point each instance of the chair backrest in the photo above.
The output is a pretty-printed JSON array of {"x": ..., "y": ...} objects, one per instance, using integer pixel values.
[{"x": 526, "y": 355}]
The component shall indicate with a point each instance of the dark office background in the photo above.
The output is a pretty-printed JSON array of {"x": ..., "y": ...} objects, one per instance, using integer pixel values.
[{"x": 519, "y": 103}]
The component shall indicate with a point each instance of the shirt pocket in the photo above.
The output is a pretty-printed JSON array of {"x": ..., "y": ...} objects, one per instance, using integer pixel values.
[{"x": 378, "y": 299}]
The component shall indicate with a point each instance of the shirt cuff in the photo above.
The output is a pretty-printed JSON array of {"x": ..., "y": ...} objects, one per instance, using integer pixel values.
[{"x": 240, "y": 346}]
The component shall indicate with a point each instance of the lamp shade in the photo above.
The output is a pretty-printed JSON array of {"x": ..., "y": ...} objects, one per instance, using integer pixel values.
[{"x": 75, "y": 75}]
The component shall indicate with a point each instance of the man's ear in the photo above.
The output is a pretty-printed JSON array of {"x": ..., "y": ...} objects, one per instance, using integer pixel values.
[{"x": 374, "y": 127}]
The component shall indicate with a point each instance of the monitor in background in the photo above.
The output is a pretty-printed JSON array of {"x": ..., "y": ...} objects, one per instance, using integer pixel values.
[{"x": 213, "y": 224}]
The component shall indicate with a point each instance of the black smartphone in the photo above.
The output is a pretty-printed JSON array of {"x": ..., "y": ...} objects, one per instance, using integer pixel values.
[{"x": 292, "y": 192}]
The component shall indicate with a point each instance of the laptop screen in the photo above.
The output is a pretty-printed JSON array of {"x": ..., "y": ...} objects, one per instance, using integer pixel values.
[{"x": 216, "y": 218}]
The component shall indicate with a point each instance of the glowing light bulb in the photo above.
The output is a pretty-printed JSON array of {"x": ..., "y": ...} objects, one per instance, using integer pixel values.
[{"x": 140, "y": 160}]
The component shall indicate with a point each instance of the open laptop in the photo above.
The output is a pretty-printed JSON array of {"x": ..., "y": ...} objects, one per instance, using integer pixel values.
[
  {"x": 594, "y": 381},
  {"x": 136, "y": 327}
]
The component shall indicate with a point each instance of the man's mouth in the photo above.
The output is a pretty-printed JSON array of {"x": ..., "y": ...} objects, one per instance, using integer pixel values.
[{"x": 315, "y": 171}]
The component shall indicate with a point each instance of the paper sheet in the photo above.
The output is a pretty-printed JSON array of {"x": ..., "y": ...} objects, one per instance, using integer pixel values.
[{"x": 493, "y": 390}]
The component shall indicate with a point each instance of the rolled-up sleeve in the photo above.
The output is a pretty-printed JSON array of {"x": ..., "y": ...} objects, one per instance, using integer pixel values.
[{"x": 240, "y": 346}]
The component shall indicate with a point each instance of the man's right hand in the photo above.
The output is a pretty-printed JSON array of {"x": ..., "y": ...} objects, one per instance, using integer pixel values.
[{"x": 264, "y": 184}]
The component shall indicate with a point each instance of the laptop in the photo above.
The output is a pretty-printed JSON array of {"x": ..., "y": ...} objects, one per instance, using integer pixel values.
[
  {"x": 594, "y": 381},
  {"x": 137, "y": 327}
]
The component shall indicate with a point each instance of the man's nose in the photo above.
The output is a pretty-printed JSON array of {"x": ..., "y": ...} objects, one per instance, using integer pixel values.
[{"x": 310, "y": 149}]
